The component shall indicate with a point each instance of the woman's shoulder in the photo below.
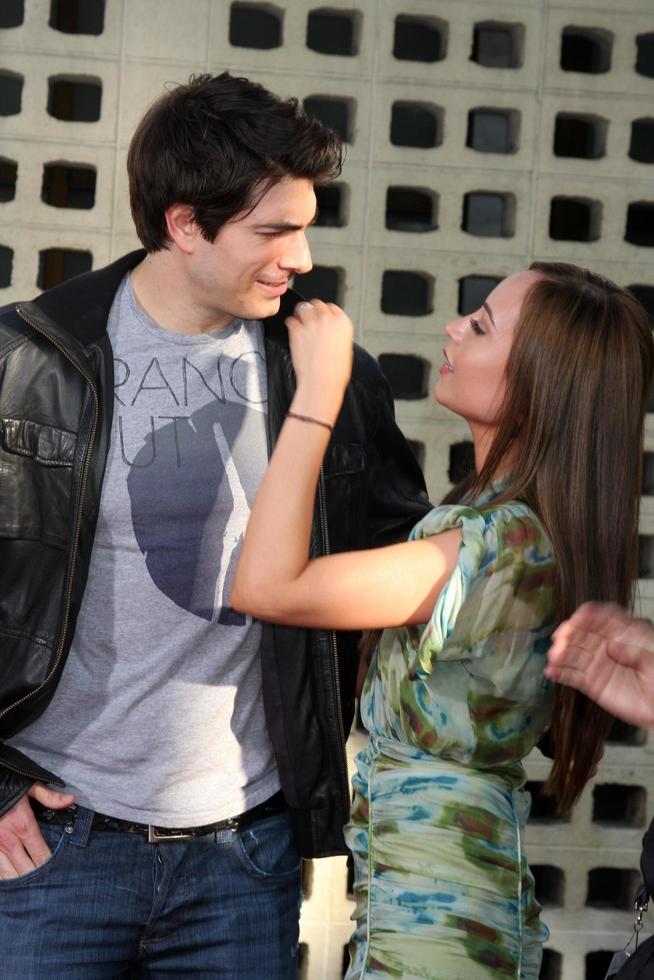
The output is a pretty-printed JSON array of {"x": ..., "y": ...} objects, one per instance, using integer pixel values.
[{"x": 510, "y": 527}]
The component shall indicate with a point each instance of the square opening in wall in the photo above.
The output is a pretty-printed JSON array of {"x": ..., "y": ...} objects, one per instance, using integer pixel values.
[
  {"x": 550, "y": 884},
  {"x": 332, "y": 200},
  {"x": 623, "y": 734},
  {"x": 333, "y": 31},
  {"x": 67, "y": 185},
  {"x": 407, "y": 375},
  {"x": 597, "y": 964},
  {"x": 58, "y": 264},
  {"x": 645, "y": 556},
  {"x": 11, "y": 93},
  {"x": 645, "y": 296},
  {"x": 489, "y": 214},
  {"x": 336, "y": 113},
  {"x": 493, "y": 130},
  {"x": 462, "y": 461},
  {"x": 612, "y": 888},
  {"x": 77, "y": 16},
  {"x": 349, "y": 883},
  {"x": 551, "y": 965},
  {"x": 303, "y": 961},
  {"x": 473, "y": 290},
  {"x": 255, "y": 25},
  {"x": 641, "y": 147},
  {"x": 417, "y": 124},
  {"x": 640, "y": 223},
  {"x": 645, "y": 55},
  {"x": 8, "y": 174},
  {"x": 12, "y": 13},
  {"x": 6, "y": 263},
  {"x": 74, "y": 99},
  {"x": 648, "y": 474},
  {"x": 580, "y": 136},
  {"x": 419, "y": 38},
  {"x": 323, "y": 282},
  {"x": 498, "y": 45},
  {"x": 619, "y": 805},
  {"x": 586, "y": 49},
  {"x": 306, "y": 878},
  {"x": 543, "y": 808},
  {"x": 575, "y": 219},
  {"x": 407, "y": 293},
  {"x": 418, "y": 450},
  {"x": 410, "y": 209}
]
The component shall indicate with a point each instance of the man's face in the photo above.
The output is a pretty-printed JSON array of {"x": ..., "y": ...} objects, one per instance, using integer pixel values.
[{"x": 247, "y": 268}]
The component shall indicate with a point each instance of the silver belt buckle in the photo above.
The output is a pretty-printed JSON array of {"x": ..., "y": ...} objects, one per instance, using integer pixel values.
[{"x": 155, "y": 836}]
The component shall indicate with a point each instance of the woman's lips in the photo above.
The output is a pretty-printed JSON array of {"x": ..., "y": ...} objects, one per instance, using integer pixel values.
[{"x": 447, "y": 367}]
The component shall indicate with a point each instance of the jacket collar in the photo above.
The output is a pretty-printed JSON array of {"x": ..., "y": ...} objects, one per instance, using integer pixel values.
[
  {"x": 80, "y": 306},
  {"x": 75, "y": 314}
]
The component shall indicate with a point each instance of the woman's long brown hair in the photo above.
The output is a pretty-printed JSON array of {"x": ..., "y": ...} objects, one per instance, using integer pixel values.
[{"x": 571, "y": 424}]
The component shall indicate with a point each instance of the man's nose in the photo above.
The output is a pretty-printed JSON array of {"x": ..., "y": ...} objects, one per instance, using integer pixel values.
[{"x": 297, "y": 256}]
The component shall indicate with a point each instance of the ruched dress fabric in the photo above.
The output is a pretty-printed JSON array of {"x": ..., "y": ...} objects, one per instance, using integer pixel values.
[{"x": 442, "y": 886}]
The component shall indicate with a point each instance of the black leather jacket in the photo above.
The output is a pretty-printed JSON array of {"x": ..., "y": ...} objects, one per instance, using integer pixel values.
[{"x": 56, "y": 403}]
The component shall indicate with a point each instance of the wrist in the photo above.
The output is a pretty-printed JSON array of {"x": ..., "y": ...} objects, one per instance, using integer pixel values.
[{"x": 318, "y": 405}]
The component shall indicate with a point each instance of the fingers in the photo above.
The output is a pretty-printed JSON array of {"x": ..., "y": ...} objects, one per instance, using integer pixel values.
[
  {"x": 603, "y": 618},
  {"x": 572, "y": 647},
  {"x": 51, "y": 798},
  {"x": 22, "y": 846},
  {"x": 565, "y": 675}
]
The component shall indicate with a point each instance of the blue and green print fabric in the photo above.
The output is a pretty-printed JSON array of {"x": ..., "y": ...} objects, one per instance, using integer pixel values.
[{"x": 442, "y": 886}]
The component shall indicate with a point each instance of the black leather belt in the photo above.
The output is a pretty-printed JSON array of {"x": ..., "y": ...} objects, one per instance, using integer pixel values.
[{"x": 155, "y": 835}]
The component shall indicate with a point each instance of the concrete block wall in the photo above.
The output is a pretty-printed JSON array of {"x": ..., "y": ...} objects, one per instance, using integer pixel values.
[{"x": 147, "y": 44}]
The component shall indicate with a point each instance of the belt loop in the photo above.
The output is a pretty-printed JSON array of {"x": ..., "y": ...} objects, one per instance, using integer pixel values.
[{"x": 80, "y": 830}]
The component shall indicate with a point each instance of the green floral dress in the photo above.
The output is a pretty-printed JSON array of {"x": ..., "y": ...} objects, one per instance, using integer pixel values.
[{"x": 442, "y": 885}]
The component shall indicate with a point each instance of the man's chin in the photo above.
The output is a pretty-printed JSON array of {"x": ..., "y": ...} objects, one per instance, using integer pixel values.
[{"x": 262, "y": 308}]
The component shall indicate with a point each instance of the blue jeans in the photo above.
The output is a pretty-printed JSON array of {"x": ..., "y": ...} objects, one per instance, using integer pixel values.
[{"x": 108, "y": 904}]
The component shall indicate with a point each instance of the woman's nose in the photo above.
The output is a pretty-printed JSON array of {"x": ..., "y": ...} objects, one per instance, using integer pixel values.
[{"x": 455, "y": 329}]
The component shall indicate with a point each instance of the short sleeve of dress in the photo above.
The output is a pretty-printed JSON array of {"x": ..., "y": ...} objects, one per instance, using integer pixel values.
[{"x": 503, "y": 581}]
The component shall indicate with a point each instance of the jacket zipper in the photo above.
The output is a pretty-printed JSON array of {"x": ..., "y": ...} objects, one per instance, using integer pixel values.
[
  {"x": 322, "y": 507},
  {"x": 78, "y": 521}
]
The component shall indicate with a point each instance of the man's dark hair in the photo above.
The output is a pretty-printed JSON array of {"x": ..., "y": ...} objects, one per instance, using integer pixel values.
[{"x": 218, "y": 144}]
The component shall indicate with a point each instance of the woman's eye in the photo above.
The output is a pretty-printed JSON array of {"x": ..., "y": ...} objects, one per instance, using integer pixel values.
[{"x": 476, "y": 326}]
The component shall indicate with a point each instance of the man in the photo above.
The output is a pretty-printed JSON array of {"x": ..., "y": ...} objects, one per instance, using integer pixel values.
[
  {"x": 608, "y": 656},
  {"x": 198, "y": 752}
]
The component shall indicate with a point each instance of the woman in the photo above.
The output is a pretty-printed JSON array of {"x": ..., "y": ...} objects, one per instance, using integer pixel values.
[{"x": 551, "y": 375}]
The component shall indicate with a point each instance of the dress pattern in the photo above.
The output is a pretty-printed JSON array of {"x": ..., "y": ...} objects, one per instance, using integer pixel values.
[{"x": 442, "y": 886}]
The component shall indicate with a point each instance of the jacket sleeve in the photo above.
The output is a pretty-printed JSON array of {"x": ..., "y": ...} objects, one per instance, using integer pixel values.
[
  {"x": 397, "y": 494},
  {"x": 12, "y": 788},
  {"x": 18, "y": 773}
]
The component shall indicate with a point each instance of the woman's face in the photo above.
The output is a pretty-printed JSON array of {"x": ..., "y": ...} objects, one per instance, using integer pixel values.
[{"x": 472, "y": 376}]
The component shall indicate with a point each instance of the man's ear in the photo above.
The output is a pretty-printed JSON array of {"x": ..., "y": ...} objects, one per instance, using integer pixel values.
[{"x": 182, "y": 226}]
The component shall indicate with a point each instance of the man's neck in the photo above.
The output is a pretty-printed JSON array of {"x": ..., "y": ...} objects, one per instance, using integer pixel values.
[{"x": 162, "y": 292}]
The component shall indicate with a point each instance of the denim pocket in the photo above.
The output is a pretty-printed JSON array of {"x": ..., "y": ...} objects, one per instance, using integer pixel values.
[
  {"x": 267, "y": 848},
  {"x": 55, "y": 837}
]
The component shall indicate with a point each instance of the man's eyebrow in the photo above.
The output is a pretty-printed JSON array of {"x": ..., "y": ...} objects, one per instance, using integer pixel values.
[
  {"x": 287, "y": 225},
  {"x": 490, "y": 313}
]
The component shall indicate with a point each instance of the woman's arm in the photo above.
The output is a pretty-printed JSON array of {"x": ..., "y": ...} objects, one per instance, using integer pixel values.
[{"x": 275, "y": 580}]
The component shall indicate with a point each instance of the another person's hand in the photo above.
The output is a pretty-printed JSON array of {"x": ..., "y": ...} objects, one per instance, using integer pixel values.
[
  {"x": 609, "y": 656},
  {"x": 321, "y": 339},
  {"x": 22, "y": 846}
]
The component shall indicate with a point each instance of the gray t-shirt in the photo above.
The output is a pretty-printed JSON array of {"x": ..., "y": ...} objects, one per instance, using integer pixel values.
[{"x": 159, "y": 716}]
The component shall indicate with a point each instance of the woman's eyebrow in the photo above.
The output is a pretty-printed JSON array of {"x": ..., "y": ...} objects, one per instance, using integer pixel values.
[{"x": 490, "y": 313}]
